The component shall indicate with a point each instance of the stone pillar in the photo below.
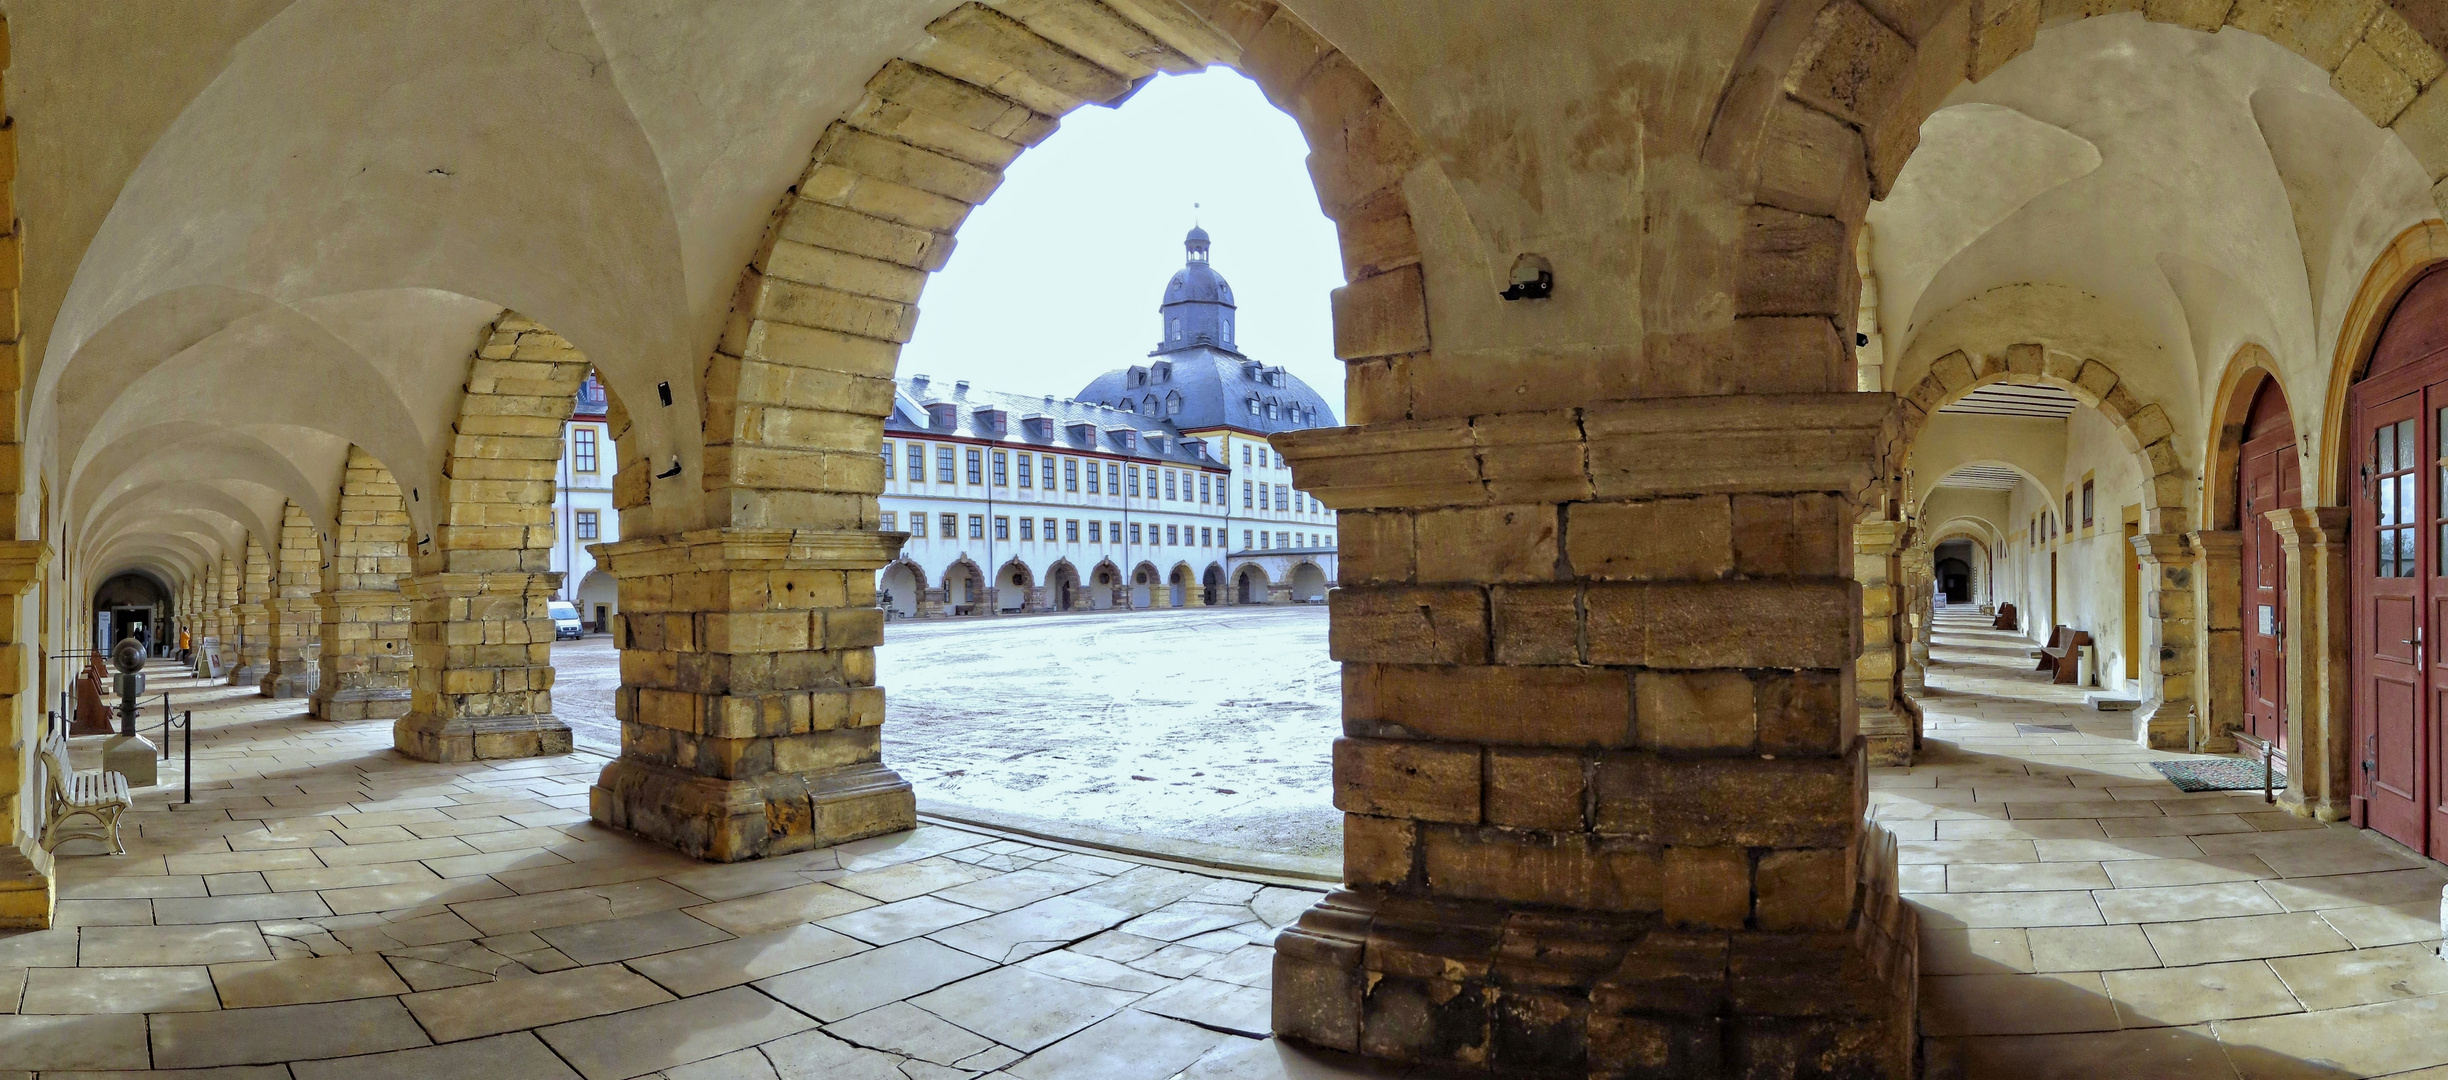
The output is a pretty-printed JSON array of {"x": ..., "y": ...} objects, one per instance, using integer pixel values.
[
  {"x": 1279, "y": 592},
  {"x": 1886, "y": 725},
  {"x": 366, "y": 656},
  {"x": 2321, "y": 755},
  {"x": 292, "y": 615},
  {"x": 1194, "y": 595},
  {"x": 254, "y": 619},
  {"x": 1160, "y": 594},
  {"x": 27, "y": 886},
  {"x": 1921, "y": 581},
  {"x": 2165, "y": 720},
  {"x": 1604, "y": 813},
  {"x": 933, "y": 603},
  {"x": 482, "y": 684},
  {"x": 750, "y": 720},
  {"x": 1038, "y": 598},
  {"x": 2218, "y": 595},
  {"x": 1121, "y": 597}
]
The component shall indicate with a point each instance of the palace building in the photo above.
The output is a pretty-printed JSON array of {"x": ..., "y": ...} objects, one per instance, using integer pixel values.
[{"x": 1155, "y": 486}]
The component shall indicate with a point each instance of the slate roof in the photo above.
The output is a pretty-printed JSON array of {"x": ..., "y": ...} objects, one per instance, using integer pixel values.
[
  {"x": 925, "y": 408},
  {"x": 1216, "y": 387}
]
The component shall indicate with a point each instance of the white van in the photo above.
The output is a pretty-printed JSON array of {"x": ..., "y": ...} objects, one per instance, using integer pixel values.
[{"x": 565, "y": 620}]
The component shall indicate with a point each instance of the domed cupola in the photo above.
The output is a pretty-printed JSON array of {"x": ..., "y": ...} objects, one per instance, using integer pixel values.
[{"x": 1198, "y": 302}]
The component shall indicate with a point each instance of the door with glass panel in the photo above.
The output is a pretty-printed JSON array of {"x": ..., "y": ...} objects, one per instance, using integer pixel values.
[{"x": 2395, "y": 577}]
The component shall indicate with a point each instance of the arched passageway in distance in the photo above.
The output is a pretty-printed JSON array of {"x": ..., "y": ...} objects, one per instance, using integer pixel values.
[
  {"x": 1308, "y": 582},
  {"x": 1012, "y": 587},
  {"x": 1146, "y": 590},
  {"x": 1954, "y": 578},
  {"x": 1250, "y": 586},
  {"x": 598, "y": 601},
  {"x": 964, "y": 590},
  {"x": 1184, "y": 587},
  {"x": 1063, "y": 592},
  {"x": 901, "y": 589},
  {"x": 1103, "y": 586},
  {"x": 132, "y": 602},
  {"x": 1211, "y": 585}
]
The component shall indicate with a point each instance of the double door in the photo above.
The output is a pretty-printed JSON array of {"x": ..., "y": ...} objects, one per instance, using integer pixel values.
[{"x": 2400, "y": 605}]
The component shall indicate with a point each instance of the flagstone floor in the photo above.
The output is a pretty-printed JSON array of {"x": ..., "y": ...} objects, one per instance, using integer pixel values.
[
  {"x": 325, "y": 908},
  {"x": 2083, "y": 918}
]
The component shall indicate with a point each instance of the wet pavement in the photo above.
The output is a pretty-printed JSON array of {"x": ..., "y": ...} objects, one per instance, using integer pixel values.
[{"x": 1211, "y": 725}]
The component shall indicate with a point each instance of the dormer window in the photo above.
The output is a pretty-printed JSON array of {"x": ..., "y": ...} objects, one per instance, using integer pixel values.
[
  {"x": 942, "y": 414},
  {"x": 1270, "y": 412},
  {"x": 1253, "y": 406},
  {"x": 1173, "y": 403}
]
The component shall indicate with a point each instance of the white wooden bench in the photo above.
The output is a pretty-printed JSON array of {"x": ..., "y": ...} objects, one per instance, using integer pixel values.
[{"x": 97, "y": 794}]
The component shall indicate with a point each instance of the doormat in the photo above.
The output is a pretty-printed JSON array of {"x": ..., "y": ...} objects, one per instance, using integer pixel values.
[{"x": 2217, "y": 774}]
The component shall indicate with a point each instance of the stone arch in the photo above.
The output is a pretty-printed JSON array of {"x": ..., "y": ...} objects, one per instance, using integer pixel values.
[
  {"x": 2246, "y": 373},
  {"x": 1251, "y": 584},
  {"x": 965, "y": 588},
  {"x": 253, "y": 614},
  {"x": 1063, "y": 590},
  {"x": 901, "y": 588},
  {"x": 487, "y": 693},
  {"x": 797, "y": 389},
  {"x": 1308, "y": 582},
  {"x": 1013, "y": 585},
  {"x": 2142, "y": 425},
  {"x": 365, "y": 659},
  {"x": 1211, "y": 585},
  {"x": 2412, "y": 254},
  {"x": 1183, "y": 586},
  {"x": 1107, "y": 587}
]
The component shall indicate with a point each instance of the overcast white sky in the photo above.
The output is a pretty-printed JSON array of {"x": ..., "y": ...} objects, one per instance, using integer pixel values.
[{"x": 1057, "y": 277}]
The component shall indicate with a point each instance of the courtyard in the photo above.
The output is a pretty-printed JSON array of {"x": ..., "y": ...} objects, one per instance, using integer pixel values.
[{"x": 1188, "y": 730}]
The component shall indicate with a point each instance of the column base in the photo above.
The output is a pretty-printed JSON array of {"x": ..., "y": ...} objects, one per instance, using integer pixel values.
[
  {"x": 27, "y": 892},
  {"x": 134, "y": 757},
  {"x": 2163, "y": 725},
  {"x": 1517, "y": 991},
  {"x": 479, "y": 738},
  {"x": 1888, "y": 738},
  {"x": 345, "y": 705},
  {"x": 722, "y": 820},
  {"x": 277, "y": 683},
  {"x": 249, "y": 674}
]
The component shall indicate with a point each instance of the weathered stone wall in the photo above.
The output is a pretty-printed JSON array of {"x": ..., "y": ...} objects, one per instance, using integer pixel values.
[
  {"x": 252, "y": 617},
  {"x": 291, "y": 613}
]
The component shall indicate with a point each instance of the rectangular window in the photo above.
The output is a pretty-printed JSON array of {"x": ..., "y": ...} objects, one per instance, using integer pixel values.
[
  {"x": 1245, "y": 495},
  {"x": 1172, "y": 535},
  {"x": 1245, "y": 454},
  {"x": 1134, "y": 481},
  {"x": 917, "y": 458},
  {"x": 1168, "y": 475},
  {"x": 1027, "y": 477},
  {"x": 943, "y": 464},
  {"x": 1096, "y": 532},
  {"x": 1245, "y": 539},
  {"x": 1071, "y": 531},
  {"x": 1002, "y": 463},
  {"x": 1002, "y": 528},
  {"x": 917, "y": 526},
  {"x": 1278, "y": 460},
  {"x": 1049, "y": 530},
  {"x": 1283, "y": 497},
  {"x": 891, "y": 522},
  {"x": 1113, "y": 478},
  {"x": 1134, "y": 532},
  {"x": 1047, "y": 476},
  {"x": 888, "y": 461},
  {"x": 977, "y": 526},
  {"x": 1203, "y": 478},
  {"x": 1283, "y": 540},
  {"x": 1114, "y": 529},
  {"x": 1206, "y": 538},
  {"x": 586, "y": 524},
  {"x": 582, "y": 449},
  {"x": 1262, "y": 541},
  {"x": 947, "y": 525},
  {"x": 1070, "y": 474},
  {"x": 1092, "y": 478},
  {"x": 2086, "y": 502},
  {"x": 977, "y": 470},
  {"x": 1028, "y": 528}
]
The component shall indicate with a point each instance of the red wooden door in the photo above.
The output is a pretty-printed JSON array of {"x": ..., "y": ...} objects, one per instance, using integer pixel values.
[
  {"x": 2271, "y": 480},
  {"x": 2389, "y": 586}
]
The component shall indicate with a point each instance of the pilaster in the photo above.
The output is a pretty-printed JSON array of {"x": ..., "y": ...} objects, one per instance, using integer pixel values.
[
  {"x": 1886, "y": 723},
  {"x": 750, "y": 720},
  {"x": 252, "y": 618},
  {"x": 482, "y": 682},
  {"x": 1602, "y": 773},
  {"x": 27, "y": 887},
  {"x": 2165, "y": 720},
  {"x": 2319, "y": 717},
  {"x": 2218, "y": 687}
]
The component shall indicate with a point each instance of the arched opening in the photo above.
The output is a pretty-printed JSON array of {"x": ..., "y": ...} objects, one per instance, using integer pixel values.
[
  {"x": 598, "y": 600},
  {"x": 1250, "y": 586},
  {"x": 1143, "y": 588},
  {"x": 1063, "y": 588},
  {"x": 964, "y": 590},
  {"x": 1181, "y": 582},
  {"x": 1012, "y": 587},
  {"x": 132, "y": 603},
  {"x": 2268, "y": 481},
  {"x": 1308, "y": 583},
  {"x": 1211, "y": 585},
  {"x": 1955, "y": 574},
  {"x": 900, "y": 590},
  {"x": 1105, "y": 584}
]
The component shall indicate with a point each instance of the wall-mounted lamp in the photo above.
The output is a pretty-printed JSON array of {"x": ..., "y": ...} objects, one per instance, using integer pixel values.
[{"x": 1532, "y": 279}]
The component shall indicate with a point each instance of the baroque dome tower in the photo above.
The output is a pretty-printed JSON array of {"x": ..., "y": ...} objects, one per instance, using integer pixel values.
[{"x": 1198, "y": 302}]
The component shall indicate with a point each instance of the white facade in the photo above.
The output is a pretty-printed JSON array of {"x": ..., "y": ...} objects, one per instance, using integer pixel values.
[
  {"x": 1282, "y": 545},
  {"x": 1057, "y": 530},
  {"x": 582, "y": 510}
]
